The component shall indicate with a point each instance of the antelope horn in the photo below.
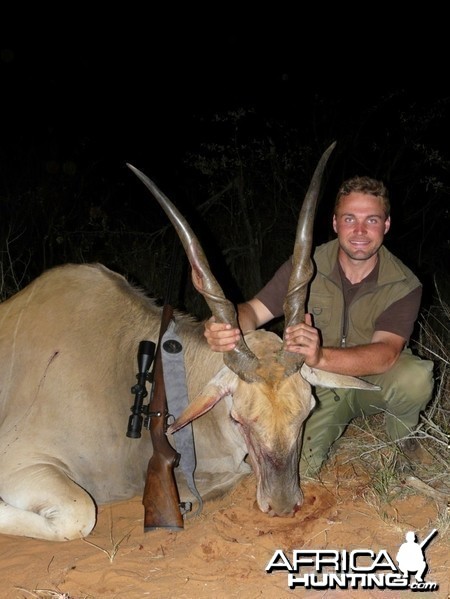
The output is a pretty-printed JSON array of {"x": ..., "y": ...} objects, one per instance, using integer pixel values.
[
  {"x": 302, "y": 268},
  {"x": 242, "y": 361}
]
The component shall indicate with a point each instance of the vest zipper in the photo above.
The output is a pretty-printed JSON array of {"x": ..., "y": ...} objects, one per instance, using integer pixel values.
[{"x": 344, "y": 322}]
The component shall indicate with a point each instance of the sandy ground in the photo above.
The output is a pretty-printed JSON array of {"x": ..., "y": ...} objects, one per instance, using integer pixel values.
[{"x": 224, "y": 551}]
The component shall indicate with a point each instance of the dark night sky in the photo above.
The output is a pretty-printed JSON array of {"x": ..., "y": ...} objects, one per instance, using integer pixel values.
[
  {"x": 102, "y": 90},
  {"x": 135, "y": 91}
]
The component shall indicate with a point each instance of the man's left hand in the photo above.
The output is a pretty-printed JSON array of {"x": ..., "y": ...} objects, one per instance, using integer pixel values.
[{"x": 304, "y": 339}]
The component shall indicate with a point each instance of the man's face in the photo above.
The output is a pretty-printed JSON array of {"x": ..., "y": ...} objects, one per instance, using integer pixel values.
[{"x": 361, "y": 225}]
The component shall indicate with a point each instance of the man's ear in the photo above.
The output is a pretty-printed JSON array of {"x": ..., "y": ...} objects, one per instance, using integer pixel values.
[
  {"x": 334, "y": 223},
  {"x": 387, "y": 224}
]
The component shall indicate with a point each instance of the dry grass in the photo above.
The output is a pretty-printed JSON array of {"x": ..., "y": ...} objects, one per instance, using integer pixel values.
[
  {"x": 48, "y": 594},
  {"x": 365, "y": 439},
  {"x": 115, "y": 545}
]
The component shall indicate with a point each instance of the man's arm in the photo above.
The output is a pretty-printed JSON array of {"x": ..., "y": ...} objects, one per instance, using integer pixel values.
[
  {"x": 375, "y": 357},
  {"x": 392, "y": 330},
  {"x": 254, "y": 313},
  {"x": 251, "y": 315}
]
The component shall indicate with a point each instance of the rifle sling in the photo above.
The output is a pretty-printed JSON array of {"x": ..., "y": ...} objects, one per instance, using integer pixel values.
[{"x": 177, "y": 400}]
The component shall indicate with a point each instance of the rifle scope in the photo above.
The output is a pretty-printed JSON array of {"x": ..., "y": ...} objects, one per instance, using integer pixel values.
[{"x": 145, "y": 357}]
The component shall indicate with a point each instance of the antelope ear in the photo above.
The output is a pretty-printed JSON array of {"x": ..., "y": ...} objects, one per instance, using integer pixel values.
[
  {"x": 223, "y": 384},
  {"x": 331, "y": 380}
]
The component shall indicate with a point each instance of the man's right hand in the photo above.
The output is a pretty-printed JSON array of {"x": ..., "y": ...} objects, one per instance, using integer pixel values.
[{"x": 220, "y": 336}]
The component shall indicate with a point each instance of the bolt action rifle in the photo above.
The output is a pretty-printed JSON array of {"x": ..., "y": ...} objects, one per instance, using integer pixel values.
[{"x": 161, "y": 499}]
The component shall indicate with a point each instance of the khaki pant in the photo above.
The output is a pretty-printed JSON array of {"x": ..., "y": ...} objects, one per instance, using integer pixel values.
[{"x": 406, "y": 389}]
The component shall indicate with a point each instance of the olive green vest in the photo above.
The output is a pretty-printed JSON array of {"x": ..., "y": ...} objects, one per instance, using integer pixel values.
[{"x": 326, "y": 301}]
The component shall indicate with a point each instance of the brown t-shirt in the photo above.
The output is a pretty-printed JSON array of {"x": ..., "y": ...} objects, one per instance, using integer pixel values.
[{"x": 398, "y": 318}]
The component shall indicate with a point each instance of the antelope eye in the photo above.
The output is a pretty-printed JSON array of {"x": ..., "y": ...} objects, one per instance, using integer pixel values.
[{"x": 234, "y": 418}]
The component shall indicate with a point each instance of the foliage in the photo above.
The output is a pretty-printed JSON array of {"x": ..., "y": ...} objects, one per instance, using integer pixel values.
[{"x": 241, "y": 182}]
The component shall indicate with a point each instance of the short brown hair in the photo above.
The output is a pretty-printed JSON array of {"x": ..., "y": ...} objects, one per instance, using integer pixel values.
[{"x": 365, "y": 185}]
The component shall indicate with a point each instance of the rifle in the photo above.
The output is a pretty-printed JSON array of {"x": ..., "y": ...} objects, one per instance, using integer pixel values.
[{"x": 161, "y": 499}]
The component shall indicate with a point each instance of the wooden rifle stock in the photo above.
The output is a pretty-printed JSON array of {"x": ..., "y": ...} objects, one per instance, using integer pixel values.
[{"x": 161, "y": 499}]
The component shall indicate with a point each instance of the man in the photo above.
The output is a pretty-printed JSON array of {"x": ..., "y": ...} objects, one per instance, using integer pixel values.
[{"x": 362, "y": 307}]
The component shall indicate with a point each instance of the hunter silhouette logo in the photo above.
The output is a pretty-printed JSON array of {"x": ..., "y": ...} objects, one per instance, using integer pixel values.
[
  {"x": 359, "y": 568},
  {"x": 410, "y": 556}
]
